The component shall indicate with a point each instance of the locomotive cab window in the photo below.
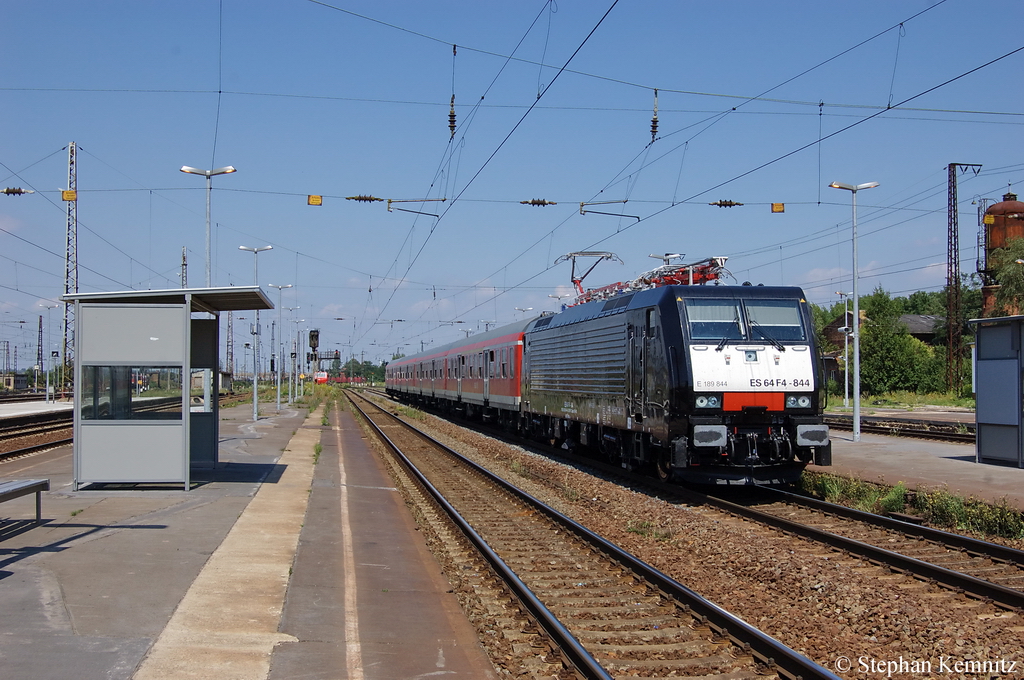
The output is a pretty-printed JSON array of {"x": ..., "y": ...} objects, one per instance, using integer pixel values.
[
  {"x": 779, "y": 319},
  {"x": 715, "y": 320}
]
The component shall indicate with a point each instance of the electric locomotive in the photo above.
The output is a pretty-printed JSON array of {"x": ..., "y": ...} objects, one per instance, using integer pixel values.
[
  {"x": 704, "y": 384},
  {"x": 707, "y": 384}
]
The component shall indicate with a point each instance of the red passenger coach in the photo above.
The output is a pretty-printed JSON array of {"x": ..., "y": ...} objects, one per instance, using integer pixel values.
[{"x": 479, "y": 375}]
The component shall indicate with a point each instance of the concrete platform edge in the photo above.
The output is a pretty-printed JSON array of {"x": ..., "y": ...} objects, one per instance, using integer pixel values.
[{"x": 227, "y": 624}]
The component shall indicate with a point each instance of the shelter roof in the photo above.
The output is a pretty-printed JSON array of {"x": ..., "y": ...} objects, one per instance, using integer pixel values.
[{"x": 211, "y": 300}]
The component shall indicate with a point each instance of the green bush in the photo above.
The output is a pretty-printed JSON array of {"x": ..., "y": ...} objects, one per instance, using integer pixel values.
[{"x": 938, "y": 507}]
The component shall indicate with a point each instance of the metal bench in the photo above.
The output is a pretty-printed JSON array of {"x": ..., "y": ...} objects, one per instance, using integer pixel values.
[{"x": 15, "y": 488}]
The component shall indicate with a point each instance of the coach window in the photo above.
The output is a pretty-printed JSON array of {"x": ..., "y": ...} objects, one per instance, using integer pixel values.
[
  {"x": 504, "y": 362},
  {"x": 511, "y": 362}
]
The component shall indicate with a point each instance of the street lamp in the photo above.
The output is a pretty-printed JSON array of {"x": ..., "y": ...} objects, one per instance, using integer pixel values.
[
  {"x": 296, "y": 360},
  {"x": 845, "y": 330},
  {"x": 208, "y": 174},
  {"x": 853, "y": 189},
  {"x": 524, "y": 309},
  {"x": 46, "y": 364},
  {"x": 291, "y": 376},
  {"x": 280, "y": 349},
  {"x": 255, "y": 330}
]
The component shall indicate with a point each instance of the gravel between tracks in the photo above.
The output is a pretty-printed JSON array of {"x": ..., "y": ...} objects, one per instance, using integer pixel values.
[
  {"x": 824, "y": 604},
  {"x": 15, "y": 443}
]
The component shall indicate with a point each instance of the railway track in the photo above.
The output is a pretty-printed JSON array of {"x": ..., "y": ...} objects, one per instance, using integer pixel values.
[
  {"x": 897, "y": 427},
  {"x": 606, "y": 612},
  {"x": 25, "y": 434},
  {"x": 21, "y": 435},
  {"x": 985, "y": 570}
]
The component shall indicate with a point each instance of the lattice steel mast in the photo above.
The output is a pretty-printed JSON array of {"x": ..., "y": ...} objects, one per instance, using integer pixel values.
[
  {"x": 71, "y": 266},
  {"x": 954, "y": 301}
]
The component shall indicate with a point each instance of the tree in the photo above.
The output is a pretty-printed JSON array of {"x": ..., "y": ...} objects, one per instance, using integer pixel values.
[
  {"x": 923, "y": 302},
  {"x": 1010, "y": 276},
  {"x": 891, "y": 359}
]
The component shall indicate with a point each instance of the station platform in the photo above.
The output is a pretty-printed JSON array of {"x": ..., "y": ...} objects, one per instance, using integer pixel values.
[
  {"x": 24, "y": 408},
  {"x": 924, "y": 464},
  {"x": 273, "y": 565}
]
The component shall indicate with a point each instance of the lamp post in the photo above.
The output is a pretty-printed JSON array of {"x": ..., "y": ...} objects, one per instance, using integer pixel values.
[
  {"x": 853, "y": 189},
  {"x": 280, "y": 348},
  {"x": 46, "y": 364},
  {"x": 291, "y": 376},
  {"x": 208, "y": 174},
  {"x": 255, "y": 330},
  {"x": 296, "y": 360},
  {"x": 845, "y": 330},
  {"x": 524, "y": 310}
]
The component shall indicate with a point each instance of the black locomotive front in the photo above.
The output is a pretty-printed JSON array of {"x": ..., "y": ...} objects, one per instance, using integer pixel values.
[{"x": 709, "y": 384}]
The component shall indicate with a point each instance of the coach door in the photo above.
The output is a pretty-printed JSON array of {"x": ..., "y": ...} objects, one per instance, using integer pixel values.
[
  {"x": 653, "y": 360},
  {"x": 641, "y": 368},
  {"x": 460, "y": 370},
  {"x": 635, "y": 380},
  {"x": 485, "y": 372}
]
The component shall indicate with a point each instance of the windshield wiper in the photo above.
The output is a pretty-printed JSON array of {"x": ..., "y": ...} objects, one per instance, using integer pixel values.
[
  {"x": 757, "y": 327},
  {"x": 726, "y": 338}
]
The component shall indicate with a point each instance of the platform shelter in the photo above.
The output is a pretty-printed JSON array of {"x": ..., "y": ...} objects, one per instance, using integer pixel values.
[
  {"x": 998, "y": 385},
  {"x": 140, "y": 417}
]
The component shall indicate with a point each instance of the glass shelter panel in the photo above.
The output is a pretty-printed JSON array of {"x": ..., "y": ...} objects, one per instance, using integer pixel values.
[{"x": 131, "y": 393}]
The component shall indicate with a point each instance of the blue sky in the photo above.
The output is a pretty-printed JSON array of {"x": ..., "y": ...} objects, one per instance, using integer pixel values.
[{"x": 758, "y": 103}]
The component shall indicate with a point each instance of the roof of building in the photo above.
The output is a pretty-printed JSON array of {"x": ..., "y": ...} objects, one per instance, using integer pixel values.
[
  {"x": 921, "y": 324},
  {"x": 211, "y": 300}
]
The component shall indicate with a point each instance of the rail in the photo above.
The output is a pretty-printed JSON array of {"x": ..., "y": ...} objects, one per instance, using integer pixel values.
[{"x": 763, "y": 647}]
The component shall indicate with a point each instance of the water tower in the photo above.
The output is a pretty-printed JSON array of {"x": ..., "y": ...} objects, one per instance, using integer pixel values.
[{"x": 1003, "y": 222}]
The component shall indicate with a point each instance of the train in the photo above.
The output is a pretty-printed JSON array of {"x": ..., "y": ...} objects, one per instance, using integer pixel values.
[{"x": 702, "y": 384}]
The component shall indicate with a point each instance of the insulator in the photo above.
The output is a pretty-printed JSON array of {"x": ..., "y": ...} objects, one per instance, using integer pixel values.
[
  {"x": 725, "y": 204},
  {"x": 15, "y": 191},
  {"x": 451, "y": 117},
  {"x": 538, "y": 201},
  {"x": 654, "y": 120},
  {"x": 362, "y": 198}
]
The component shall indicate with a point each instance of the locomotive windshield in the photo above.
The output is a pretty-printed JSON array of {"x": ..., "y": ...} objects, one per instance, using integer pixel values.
[
  {"x": 721, "y": 320},
  {"x": 715, "y": 320}
]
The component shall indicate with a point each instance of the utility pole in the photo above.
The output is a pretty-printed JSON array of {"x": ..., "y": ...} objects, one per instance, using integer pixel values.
[
  {"x": 954, "y": 303},
  {"x": 70, "y": 196},
  {"x": 39, "y": 353}
]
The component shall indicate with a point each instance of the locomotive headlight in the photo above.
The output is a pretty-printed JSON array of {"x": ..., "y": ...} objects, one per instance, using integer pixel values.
[
  {"x": 798, "y": 401},
  {"x": 708, "y": 401}
]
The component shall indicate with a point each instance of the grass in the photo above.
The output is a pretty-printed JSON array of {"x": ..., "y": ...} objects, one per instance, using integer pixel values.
[
  {"x": 411, "y": 413},
  {"x": 938, "y": 507},
  {"x": 519, "y": 468},
  {"x": 648, "y": 529},
  {"x": 908, "y": 400},
  {"x": 317, "y": 450}
]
